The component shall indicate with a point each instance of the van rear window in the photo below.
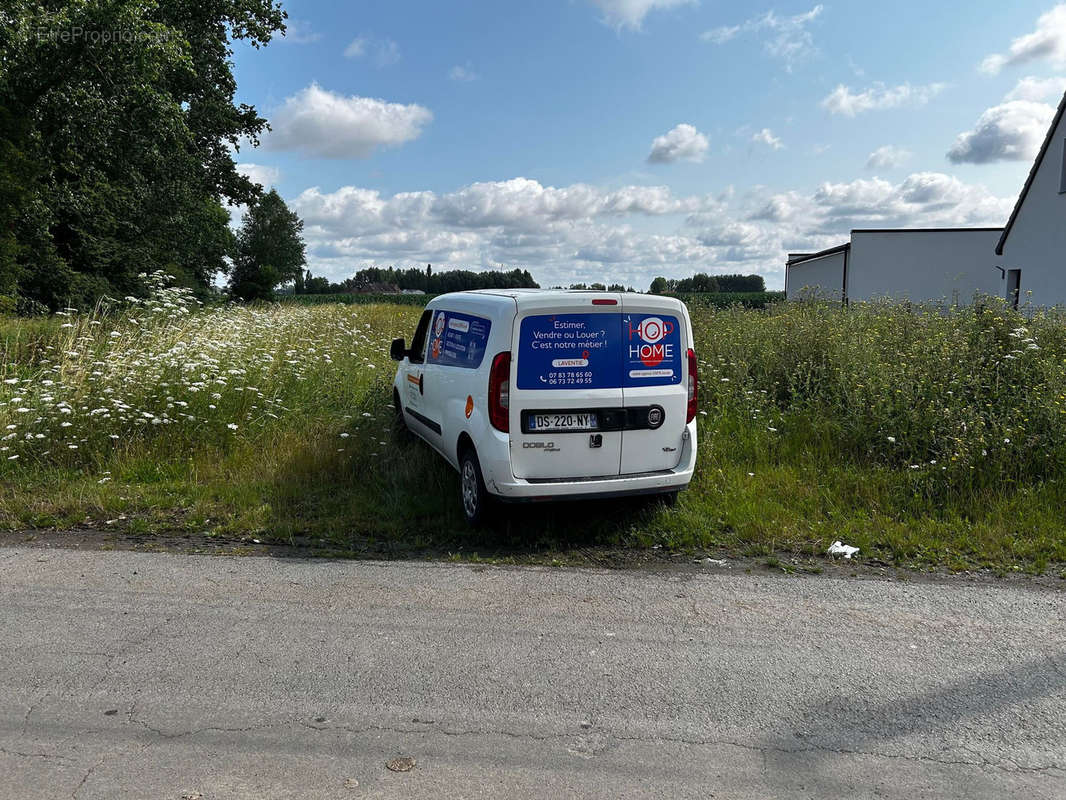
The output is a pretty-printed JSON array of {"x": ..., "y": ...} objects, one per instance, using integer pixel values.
[
  {"x": 458, "y": 340},
  {"x": 598, "y": 351}
]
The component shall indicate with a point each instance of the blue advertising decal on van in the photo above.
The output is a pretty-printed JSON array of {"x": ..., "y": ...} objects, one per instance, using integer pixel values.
[
  {"x": 567, "y": 351},
  {"x": 653, "y": 350},
  {"x": 599, "y": 351},
  {"x": 458, "y": 340}
]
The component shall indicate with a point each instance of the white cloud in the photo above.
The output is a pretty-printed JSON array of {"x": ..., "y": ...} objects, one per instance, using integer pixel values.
[
  {"x": 1011, "y": 131},
  {"x": 789, "y": 38},
  {"x": 630, "y": 14},
  {"x": 563, "y": 233},
  {"x": 260, "y": 173},
  {"x": 320, "y": 123},
  {"x": 1047, "y": 42},
  {"x": 628, "y": 235},
  {"x": 1037, "y": 89},
  {"x": 463, "y": 74},
  {"x": 518, "y": 203},
  {"x": 381, "y": 52},
  {"x": 922, "y": 199},
  {"x": 683, "y": 143},
  {"x": 843, "y": 100},
  {"x": 357, "y": 48},
  {"x": 298, "y": 31},
  {"x": 725, "y": 33},
  {"x": 888, "y": 157},
  {"x": 766, "y": 137}
]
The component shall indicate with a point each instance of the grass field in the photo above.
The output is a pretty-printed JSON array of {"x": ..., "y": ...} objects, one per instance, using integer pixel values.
[{"x": 927, "y": 439}]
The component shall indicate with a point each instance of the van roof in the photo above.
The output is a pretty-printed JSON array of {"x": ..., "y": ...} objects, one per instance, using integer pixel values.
[{"x": 519, "y": 294}]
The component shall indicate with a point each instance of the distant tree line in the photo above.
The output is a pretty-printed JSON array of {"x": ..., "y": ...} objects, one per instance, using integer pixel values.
[
  {"x": 598, "y": 287},
  {"x": 709, "y": 284},
  {"x": 390, "y": 279}
]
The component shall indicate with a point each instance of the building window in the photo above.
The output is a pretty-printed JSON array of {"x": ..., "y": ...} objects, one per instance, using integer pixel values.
[
  {"x": 1014, "y": 286},
  {"x": 1062, "y": 177}
]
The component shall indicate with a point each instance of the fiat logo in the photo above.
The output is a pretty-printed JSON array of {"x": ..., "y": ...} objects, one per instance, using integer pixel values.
[{"x": 655, "y": 417}]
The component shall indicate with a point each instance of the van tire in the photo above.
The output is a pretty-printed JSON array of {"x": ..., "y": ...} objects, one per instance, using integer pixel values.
[
  {"x": 399, "y": 423},
  {"x": 473, "y": 496}
]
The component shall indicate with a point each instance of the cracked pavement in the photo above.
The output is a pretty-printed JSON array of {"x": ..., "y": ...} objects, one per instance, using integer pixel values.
[{"x": 134, "y": 675}]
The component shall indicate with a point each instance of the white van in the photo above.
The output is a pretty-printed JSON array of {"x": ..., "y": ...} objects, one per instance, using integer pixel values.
[{"x": 549, "y": 395}]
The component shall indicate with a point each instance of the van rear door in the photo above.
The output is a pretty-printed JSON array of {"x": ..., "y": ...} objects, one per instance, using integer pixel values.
[
  {"x": 566, "y": 390},
  {"x": 655, "y": 340}
]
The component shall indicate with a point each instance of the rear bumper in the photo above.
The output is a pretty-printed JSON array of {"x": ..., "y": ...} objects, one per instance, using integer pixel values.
[
  {"x": 590, "y": 490},
  {"x": 511, "y": 489}
]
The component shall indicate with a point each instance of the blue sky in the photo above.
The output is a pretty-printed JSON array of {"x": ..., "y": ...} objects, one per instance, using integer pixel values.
[{"x": 617, "y": 140}]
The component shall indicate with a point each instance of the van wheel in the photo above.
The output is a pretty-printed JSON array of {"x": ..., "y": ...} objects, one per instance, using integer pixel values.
[
  {"x": 399, "y": 424},
  {"x": 473, "y": 496}
]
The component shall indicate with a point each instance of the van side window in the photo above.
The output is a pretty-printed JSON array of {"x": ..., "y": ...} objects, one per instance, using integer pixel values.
[
  {"x": 457, "y": 339},
  {"x": 418, "y": 343}
]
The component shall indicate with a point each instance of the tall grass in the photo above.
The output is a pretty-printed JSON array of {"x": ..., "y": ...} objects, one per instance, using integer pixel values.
[
  {"x": 959, "y": 400},
  {"x": 696, "y": 300},
  {"x": 165, "y": 377},
  {"x": 921, "y": 436}
]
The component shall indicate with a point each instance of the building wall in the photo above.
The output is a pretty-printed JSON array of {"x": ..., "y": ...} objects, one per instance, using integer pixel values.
[
  {"x": 1037, "y": 241},
  {"x": 924, "y": 266},
  {"x": 822, "y": 277}
]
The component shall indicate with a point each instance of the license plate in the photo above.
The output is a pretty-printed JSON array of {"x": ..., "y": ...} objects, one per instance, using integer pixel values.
[{"x": 563, "y": 422}]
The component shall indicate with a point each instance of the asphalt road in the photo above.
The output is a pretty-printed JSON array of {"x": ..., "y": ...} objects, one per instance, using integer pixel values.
[{"x": 134, "y": 675}]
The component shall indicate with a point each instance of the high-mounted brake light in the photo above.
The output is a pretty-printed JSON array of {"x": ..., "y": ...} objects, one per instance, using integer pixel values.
[
  {"x": 604, "y": 301},
  {"x": 693, "y": 386},
  {"x": 500, "y": 392}
]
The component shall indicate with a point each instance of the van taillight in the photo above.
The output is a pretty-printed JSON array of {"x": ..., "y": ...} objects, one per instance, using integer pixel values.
[
  {"x": 693, "y": 386},
  {"x": 500, "y": 392}
]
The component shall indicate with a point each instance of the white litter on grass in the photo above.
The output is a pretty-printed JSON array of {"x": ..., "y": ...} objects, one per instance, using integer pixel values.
[
  {"x": 840, "y": 549},
  {"x": 718, "y": 562}
]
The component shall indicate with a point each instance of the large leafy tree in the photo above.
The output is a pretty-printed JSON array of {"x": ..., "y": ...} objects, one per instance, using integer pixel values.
[
  {"x": 270, "y": 249},
  {"x": 117, "y": 133}
]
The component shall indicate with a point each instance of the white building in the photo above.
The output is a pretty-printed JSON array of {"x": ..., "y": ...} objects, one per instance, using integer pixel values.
[
  {"x": 1032, "y": 249},
  {"x": 953, "y": 264},
  {"x": 817, "y": 274},
  {"x": 921, "y": 265}
]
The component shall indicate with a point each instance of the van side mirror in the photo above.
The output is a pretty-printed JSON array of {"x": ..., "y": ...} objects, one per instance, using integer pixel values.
[{"x": 398, "y": 350}]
